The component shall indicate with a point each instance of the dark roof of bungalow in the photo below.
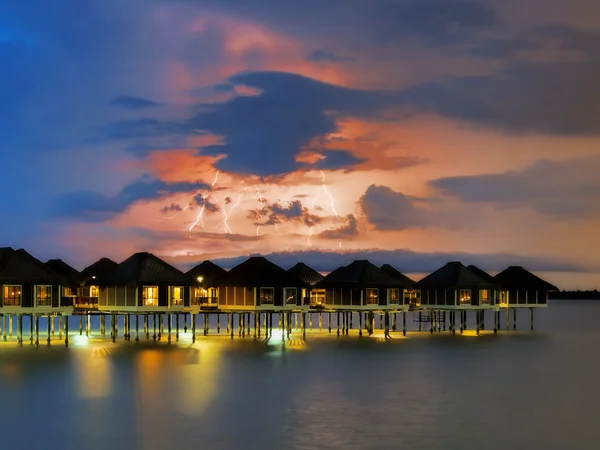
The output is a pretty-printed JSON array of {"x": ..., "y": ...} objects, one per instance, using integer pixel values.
[
  {"x": 482, "y": 273},
  {"x": 362, "y": 273},
  {"x": 455, "y": 275},
  {"x": 305, "y": 274},
  {"x": 100, "y": 268},
  {"x": 18, "y": 266},
  {"x": 209, "y": 271},
  {"x": 257, "y": 271},
  {"x": 62, "y": 268},
  {"x": 395, "y": 272},
  {"x": 516, "y": 277},
  {"x": 144, "y": 268}
]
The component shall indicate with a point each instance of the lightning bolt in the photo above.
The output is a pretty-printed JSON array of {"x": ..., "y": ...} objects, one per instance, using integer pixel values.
[
  {"x": 226, "y": 213},
  {"x": 260, "y": 198},
  {"x": 331, "y": 204},
  {"x": 200, "y": 218}
]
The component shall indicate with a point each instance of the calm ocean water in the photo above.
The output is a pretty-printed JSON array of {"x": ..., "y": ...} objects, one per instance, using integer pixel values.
[{"x": 517, "y": 390}]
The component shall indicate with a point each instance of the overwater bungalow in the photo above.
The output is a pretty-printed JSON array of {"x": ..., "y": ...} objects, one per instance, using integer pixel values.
[
  {"x": 258, "y": 284},
  {"x": 144, "y": 283},
  {"x": 72, "y": 277},
  {"x": 363, "y": 286},
  {"x": 28, "y": 286},
  {"x": 309, "y": 277},
  {"x": 455, "y": 286},
  {"x": 88, "y": 292},
  {"x": 206, "y": 295},
  {"x": 522, "y": 289}
]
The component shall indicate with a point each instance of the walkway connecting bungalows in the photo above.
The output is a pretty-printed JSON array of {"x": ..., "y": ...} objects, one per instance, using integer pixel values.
[
  {"x": 455, "y": 287},
  {"x": 72, "y": 278},
  {"x": 206, "y": 295},
  {"x": 88, "y": 292},
  {"x": 309, "y": 278},
  {"x": 28, "y": 287}
]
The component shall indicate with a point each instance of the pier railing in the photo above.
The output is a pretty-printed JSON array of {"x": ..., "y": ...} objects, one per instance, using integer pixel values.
[{"x": 209, "y": 302}]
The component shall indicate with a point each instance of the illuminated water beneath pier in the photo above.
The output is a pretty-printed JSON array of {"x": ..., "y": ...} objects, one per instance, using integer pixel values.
[{"x": 533, "y": 390}]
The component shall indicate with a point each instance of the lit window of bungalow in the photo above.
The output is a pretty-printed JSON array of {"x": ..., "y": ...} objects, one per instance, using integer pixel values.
[
  {"x": 308, "y": 278},
  {"x": 362, "y": 285},
  {"x": 205, "y": 295},
  {"x": 27, "y": 285},
  {"x": 456, "y": 286},
  {"x": 522, "y": 289},
  {"x": 88, "y": 292},
  {"x": 258, "y": 284},
  {"x": 144, "y": 282}
]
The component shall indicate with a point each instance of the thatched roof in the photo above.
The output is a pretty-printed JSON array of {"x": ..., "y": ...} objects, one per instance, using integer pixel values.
[
  {"x": 516, "y": 277},
  {"x": 144, "y": 268},
  {"x": 209, "y": 271},
  {"x": 455, "y": 275},
  {"x": 257, "y": 271},
  {"x": 18, "y": 266},
  {"x": 306, "y": 275},
  {"x": 99, "y": 269},
  {"x": 396, "y": 273},
  {"x": 361, "y": 274},
  {"x": 62, "y": 268}
]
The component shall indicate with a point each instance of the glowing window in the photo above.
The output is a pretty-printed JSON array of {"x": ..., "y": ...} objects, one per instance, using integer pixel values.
[
  {"x": 393, "y": 296},
  {"x": 317, "y": 296},
  {"x": 503, "y": 297},
  {"x": 484, "y": 296},
  {"x": 12, "y": 296},
  {"x": 266, "y": 296},
  {"x": 465, "y": 296},
  {"x": 412, "y": 297},
  {"x": 176, "y": 296},
  {"x": 43, "y": 295},
  {"x": 291, "y": 296},
  {"x": 372, "y": 296},
  {"x": 150, "y": 295},
  {"x": 93, "y": 291}
]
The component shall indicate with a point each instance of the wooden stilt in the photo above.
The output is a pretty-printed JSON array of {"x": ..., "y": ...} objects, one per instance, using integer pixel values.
[
  {"x": 66, "y": 331},
  {"x": 329, "y": 321},
  {"x": 137, "y": 328},
  {"x": 31, "y": 328},
  {"x": 320, "y": 320},
  {"x": 60, "y": 326},
  {"x": 218, "y": 322},
  {"x": 403, "y": 323},
  {"x": 514, "y": 318},
  {"x": 49, "y": 324},
  {"x": 177, "y": 326},
  {"x": 531, "y": 312},
  {"x": 37, "y": 330}
]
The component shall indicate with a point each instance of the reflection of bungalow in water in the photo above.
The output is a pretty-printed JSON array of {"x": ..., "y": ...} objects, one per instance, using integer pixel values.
[
  {"x": 28, "y": 286},
  {"x": 144, "y": 282},
  {"x": 88, "y": 292},
  {"x": 364, "y": 286},
  {"x": 308, "y": 277},
  {"x": 72, "y": 277},
  {"x": 455, "y": 286},
  {"x": 206, "y": 274},
  {"x": 522, "y": 289},
  {"x": 258, "y": 284}
]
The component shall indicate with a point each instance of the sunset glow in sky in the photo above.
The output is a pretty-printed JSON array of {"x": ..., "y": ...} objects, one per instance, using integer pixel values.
[{"x": 413, "y": 132}]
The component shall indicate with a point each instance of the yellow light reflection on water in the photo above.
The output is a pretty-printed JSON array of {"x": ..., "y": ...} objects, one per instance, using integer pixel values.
[{"x": 94, "y": 370}]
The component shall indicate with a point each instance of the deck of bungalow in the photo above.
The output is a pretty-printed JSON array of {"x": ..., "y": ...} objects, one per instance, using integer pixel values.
[{"x": 148, "y": 296}]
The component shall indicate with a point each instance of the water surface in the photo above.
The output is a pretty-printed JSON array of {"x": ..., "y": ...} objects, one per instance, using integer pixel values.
[{"x": 522, "y": 390}]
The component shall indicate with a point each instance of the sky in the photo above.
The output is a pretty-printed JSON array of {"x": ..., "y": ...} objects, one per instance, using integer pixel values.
[{"x": 413, "y": 132}]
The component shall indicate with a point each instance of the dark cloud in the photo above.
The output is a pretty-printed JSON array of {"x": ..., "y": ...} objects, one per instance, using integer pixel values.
[
  {"x": 387, "y": 209},
  {"x": 564, "y": 189},
  {"x": 134, "y": 102},
  {"x": 276, "y": 213},
  {"x": 414, "y": 262},
  {"x": 201, "y": 200},
  {"x": 172, "y": 208},
  {"x": 323, "y": 55},
  {"x": 348, "y": 230},
  {"x": 290, "y": 111},
  {"x": 546, "y": 95},
  {"x": 332, "y": 159},
  {"x": 96, "y": 207},
  {"x": 442, "y": 20}
]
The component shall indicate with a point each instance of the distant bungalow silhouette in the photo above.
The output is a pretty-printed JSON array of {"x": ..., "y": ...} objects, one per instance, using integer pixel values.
[{"x": 250, "y": 295}]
